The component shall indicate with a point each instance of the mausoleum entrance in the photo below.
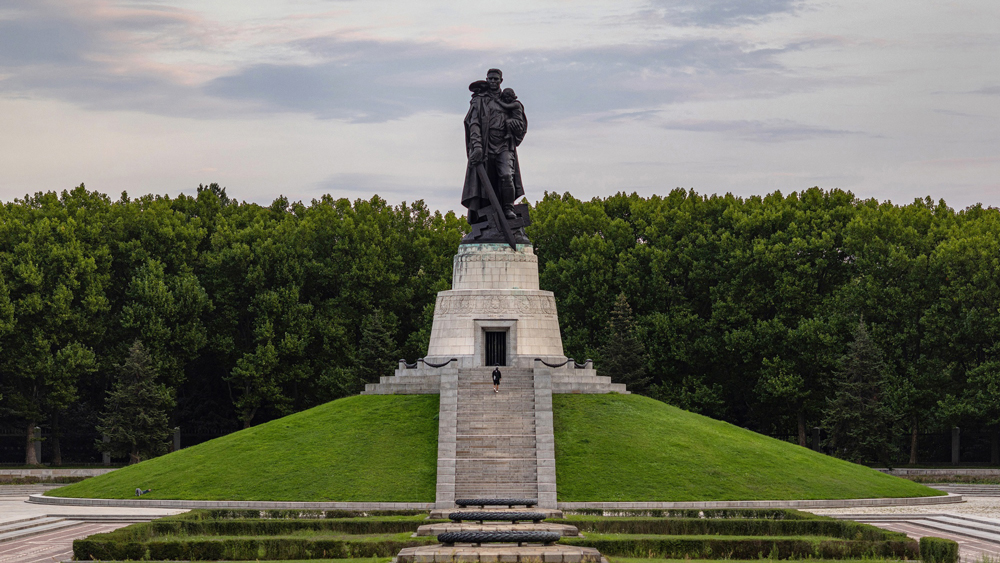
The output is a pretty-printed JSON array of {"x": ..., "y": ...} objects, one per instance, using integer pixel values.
[{"x": 496, "y": 348}]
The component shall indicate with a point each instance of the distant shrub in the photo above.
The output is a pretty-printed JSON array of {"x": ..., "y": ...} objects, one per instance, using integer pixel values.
[{"x": 769, "y": 514}]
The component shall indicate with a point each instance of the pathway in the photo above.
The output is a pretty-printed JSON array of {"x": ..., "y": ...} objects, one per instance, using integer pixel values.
[
  {"x": 974, "y": 524},
  {"x": 32, "y": 533}
]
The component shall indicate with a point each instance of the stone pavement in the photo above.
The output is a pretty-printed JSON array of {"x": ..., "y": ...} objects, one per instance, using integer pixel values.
[
  {"x": 970, "y": 549},
  {"x": 51, "y": 546},
  {"x": 974, "y": 524},
  {"x": 33, "y": 532}
]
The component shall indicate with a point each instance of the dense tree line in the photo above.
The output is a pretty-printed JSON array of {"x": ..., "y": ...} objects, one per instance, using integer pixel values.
[
  {"x": 749, "y": 308},
  {"x": 246, "y": 312},
  {"x": 777, "y": 313}
]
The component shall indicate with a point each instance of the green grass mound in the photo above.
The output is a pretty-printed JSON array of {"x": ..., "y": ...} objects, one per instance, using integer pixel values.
[
  {"x": 631, "y": 448},
  {"x": 367, "y": 448}
]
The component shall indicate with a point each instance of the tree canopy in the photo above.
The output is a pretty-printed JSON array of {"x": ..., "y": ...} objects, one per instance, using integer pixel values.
[{"x": 743, "y": 309}]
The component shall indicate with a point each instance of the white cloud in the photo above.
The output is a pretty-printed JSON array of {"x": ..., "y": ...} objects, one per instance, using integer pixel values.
[{"x": 360, "y": 97}]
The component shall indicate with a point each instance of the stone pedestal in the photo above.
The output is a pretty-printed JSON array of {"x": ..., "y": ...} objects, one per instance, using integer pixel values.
[{"x": 495, "y": 288}]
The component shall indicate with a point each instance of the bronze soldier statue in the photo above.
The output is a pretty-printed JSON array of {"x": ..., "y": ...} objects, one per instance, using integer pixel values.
[{"x": 494, "y": 127}]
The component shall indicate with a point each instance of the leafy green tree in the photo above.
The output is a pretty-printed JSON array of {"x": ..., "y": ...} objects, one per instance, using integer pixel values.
[
  {"x": 55, "y": 262},
  {"x": 860, "y": 415},
  {"x": 135, "y": 417},
  {"x": 895, "y": 288},
  {"x": 964, "y": 323},
  {"x": 377, "y": 352},
  {"x": 263, "y": 324},
  {"x": 623, "y": 355}
]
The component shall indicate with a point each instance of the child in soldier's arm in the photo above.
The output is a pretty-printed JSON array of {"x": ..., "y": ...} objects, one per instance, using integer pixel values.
[{"x": 508, "y": 101}]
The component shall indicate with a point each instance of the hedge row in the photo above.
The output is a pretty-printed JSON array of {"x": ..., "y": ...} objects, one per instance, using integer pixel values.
[
  {"x": 283, "y": 527},
  {"x": 748, "y": 548},
  {"x": 225, "y": 514},
  {"x": 734, "y": 527},
  {"x": 767, "y": 514},
  {"x": 197, "y": 549},
  {"x": 938, "y": 550}
]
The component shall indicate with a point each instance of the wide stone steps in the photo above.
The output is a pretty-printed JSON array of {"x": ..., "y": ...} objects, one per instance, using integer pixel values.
[
  {"x": 476, "y": 451},
  {"x": 26, "y": 490},
  {"x": 510, "y": 472},
  {"x": 972, "y": 490},
  {"x": 31, "y": 526},
  {"x": 502, "y": 441},
  {"x": 473, "y": 448},
  {"x": 493, "y": 410},
  {"x": 495, "y": 427},
  {"x": 495, "y": 445}
]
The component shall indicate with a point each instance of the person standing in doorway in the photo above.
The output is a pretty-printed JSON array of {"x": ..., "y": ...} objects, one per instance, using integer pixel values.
[{"x": 496, "y": 380}]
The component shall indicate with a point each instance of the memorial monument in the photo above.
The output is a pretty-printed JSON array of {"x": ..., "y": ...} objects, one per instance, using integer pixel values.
[{"x": 495, "y": 314}]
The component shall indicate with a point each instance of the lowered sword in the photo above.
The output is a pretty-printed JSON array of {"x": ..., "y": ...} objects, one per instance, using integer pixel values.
[{"x": 495, "y": 204}]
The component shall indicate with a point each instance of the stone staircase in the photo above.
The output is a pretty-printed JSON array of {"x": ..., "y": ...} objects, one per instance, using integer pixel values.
[
  {"x": 495, "y": 447},
  {"x": 26, "y": 490},
  {"x": 967, "y": 489},
  {"x": 17, "y": 529}
]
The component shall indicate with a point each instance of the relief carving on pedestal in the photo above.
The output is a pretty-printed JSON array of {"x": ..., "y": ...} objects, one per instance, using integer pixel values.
[
  {"x": 496, "y": 257},
  {"x": 496, "y": 304}
]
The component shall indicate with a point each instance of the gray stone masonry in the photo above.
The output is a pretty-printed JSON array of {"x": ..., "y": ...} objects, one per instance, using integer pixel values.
[
  {"x": 447, "y": 429},
  {"x": 499, "y": 554},
  {"x": 568, "y": 506},
  {"x": 496, "y": 445},
  {"x": 439, "y": 513},
  {"x": 425, "y": 380},
  {"x": 435, "y": 529},
  {"x": 545, "y": 442}
]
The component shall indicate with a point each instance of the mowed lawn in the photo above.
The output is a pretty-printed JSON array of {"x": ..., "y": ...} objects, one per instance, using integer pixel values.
[
  {"x": 632, "y": 448},
  {"x": 364, "y": 448}
]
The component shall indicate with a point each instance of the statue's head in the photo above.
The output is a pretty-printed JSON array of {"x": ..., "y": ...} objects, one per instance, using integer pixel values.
[
  {"x": 508, "y": 95},
  {"x": 494, "y": 77}
]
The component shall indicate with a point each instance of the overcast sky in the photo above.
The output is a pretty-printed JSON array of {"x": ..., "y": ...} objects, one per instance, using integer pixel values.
[{"x": 895, "y": 99}]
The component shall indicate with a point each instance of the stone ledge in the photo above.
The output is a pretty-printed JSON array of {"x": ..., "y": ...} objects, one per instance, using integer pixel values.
[
  {"x": 901, "y": 471},
  {"x": 435, "y": 529},
  {"x": 499, "y": 553},
  {"x": 57, "y": 472},
  {"x": 251, "y": 504},
  {"x": 824, "y": 503}
]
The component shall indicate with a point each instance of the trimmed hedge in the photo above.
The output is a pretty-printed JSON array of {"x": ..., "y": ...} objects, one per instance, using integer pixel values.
[
  {"x": 273, "y": 523},
  {"x": 226, "y": 514},
  {"x": 151, "y": 530},
  {"x": 202, "y": 549},
  {"x": 748, "y": 548},
  {"x": 748, "y": 513},
  {"x": 938, "y": 550},
  {"x": 828, "y": 527}
]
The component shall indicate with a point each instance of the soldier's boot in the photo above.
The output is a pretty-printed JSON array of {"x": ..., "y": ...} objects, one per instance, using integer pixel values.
[{"x": 507, "y": 196}]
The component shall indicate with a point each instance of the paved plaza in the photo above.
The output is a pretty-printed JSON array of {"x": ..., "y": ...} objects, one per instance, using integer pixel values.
[
  {"x": 974, "y": 524},
  {"x": 63, "y": 524}
]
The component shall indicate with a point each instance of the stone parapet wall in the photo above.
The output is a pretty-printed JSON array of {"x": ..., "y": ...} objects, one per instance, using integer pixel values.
[
  {"x": 760, "y": 504},
  {"x": 585, "y": 382},
  {"x": 45, "y": 472},
  {"x": 942, "y": 472}
]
